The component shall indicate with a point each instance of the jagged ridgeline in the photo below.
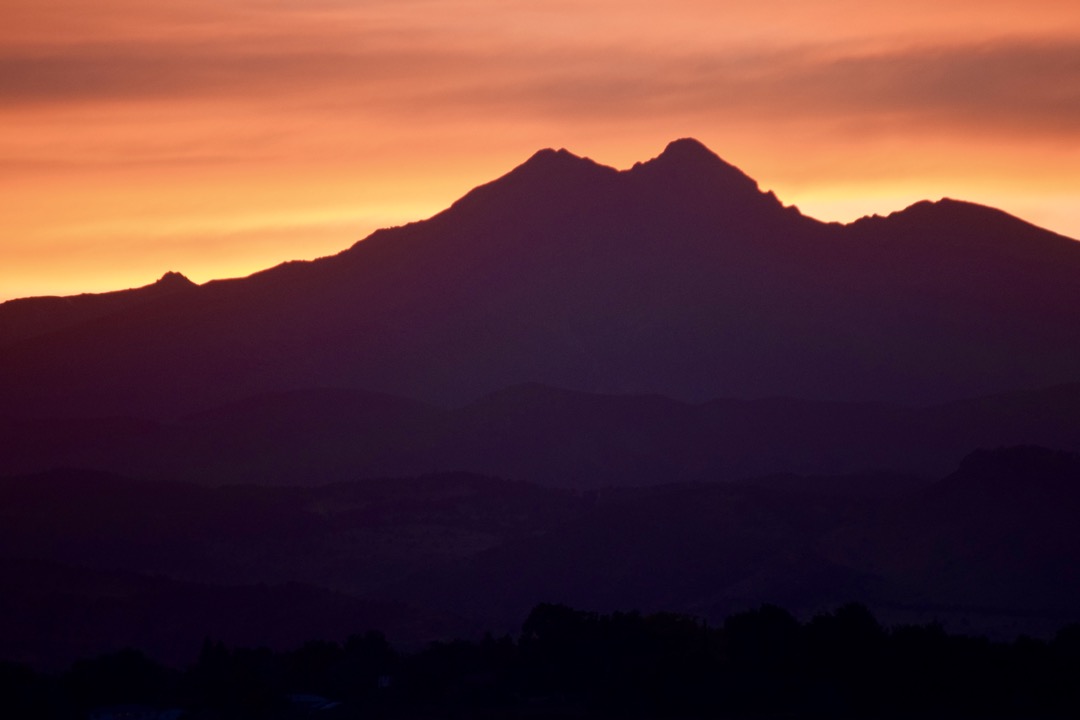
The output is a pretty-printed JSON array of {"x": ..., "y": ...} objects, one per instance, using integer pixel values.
[{"x": 676, "y": 277}]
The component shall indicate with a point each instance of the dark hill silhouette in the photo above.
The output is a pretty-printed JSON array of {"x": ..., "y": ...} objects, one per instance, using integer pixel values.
[
  {"x": 543, "y": 435},
  {"x": 993, "y": 547},
  {"x": 54, "y": 614},
  {"x": 357, "y": 537},
  {"x": 999, "y": 535},
  {"x": 676, "y": 277}
]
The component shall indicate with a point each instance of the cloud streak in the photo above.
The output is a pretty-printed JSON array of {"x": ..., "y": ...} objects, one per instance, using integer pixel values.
[{"x": 1008, "y": 86}]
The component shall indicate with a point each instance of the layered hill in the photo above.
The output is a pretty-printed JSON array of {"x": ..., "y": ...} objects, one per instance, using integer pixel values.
[
  {"x": 95, "y": 561},
  {"x": 543, "y": 435},
  {"x": 677, "y": 277}
]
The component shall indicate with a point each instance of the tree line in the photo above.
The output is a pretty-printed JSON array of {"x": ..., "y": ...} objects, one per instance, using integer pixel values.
[{"x": 763, "y": 663}]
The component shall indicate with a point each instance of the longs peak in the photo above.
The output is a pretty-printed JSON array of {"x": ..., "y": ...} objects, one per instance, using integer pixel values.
[
  {"x": 686, "y": 174},
  {"x": 690, "y": 155},
  {"x": 676, "y": 277},
  {"x": 685, "y": 157}
]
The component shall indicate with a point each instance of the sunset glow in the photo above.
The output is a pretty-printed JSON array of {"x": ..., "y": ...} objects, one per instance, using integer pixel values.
[{"x": 220, "y": 137}]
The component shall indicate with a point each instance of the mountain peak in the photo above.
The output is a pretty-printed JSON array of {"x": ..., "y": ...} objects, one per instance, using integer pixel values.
[
  {"x": 692, "y": 154},
  {"x": 551, "y": 154},
  {"x": 550, "y": 162},
  {"x": 689, "y": 149},
  {"x": 173, "y": 279},
  {"x": 687, "y": 160},
  {"x": 548, "y": 173}
]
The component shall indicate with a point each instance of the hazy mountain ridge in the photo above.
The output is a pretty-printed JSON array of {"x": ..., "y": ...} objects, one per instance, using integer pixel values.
[
  {"x": 1004, "y": 522},
  {"x": 441, "y": 553},
  {"x": 59, "y": 613},
  {"x": 543, "y": 435}
]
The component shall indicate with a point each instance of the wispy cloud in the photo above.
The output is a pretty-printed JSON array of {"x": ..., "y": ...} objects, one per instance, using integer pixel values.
[{"x": 1006, "y": 86}]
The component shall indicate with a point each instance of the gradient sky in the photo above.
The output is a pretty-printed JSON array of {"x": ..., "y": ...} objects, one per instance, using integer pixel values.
[{"x": 219, "y": 137}]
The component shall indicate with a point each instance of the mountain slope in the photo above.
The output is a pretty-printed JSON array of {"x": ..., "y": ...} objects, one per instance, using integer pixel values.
[{"x": 677, "y": 277}]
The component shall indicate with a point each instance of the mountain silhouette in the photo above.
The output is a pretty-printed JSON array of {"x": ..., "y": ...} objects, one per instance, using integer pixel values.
[
  {"x": 531, "y": 397},
  {"x": 677, "y": 277}
]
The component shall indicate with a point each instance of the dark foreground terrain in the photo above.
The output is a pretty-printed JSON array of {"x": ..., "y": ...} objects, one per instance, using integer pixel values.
[
  {"x": 569, "y": 663},
  {"x": 94, "y": 563}
]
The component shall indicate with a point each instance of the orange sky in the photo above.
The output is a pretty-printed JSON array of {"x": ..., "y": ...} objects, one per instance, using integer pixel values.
[{"x": 219, "y": 137}]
